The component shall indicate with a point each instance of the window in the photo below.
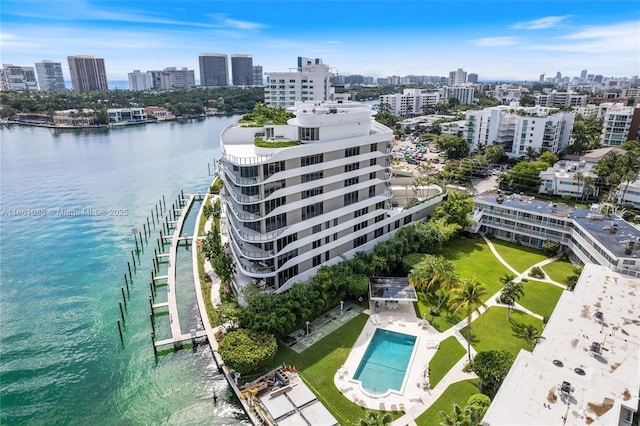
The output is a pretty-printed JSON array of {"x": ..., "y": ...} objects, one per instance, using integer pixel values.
[
  {"x": 372, "y": 175},
  {"x": 312, "y": 210},
  {"x": 317, "y": 243},
  {"x": 311, "y": 159},
  {"x": 374, "y": 147},
  {"x": 335, "y": 221},
  {"x": 316, "y": 229},
  {"x": 359, "y": 241},
  {"x": 360, "y": 226},
  {"x": 272, "y": 168},
  {"x": 372, "y": 191},
  {"x": 379, "y": 218},
  {"x": 351, "y": 167},
  {"x": 250, "y": 190},
  {"x": 273, "y": 204},
  {"x": 311, "y": 176},
  {"x": 378, "y": 232},
  {"x": 326, "y": 256},
  {"x": 317, "y": 260},
  {"x": 283, "y": 258},
  {"x": 335, "y": 236},
  {"x": 373, "y": 161},
  {"x": 276, "y": 222},
  {"x": 351, "y": 181},
  {"x": 350, "y": 198},
  {"x": 350, "y": 152},
  {"x": 308, "y": 133},
  {"x": 284, "y": 276},
  {"x": 407, "y": 219},
  {"x": 361, "y": 212},
  {"x": 285, "y": 241},
  {"x": 311, "y": 192}
]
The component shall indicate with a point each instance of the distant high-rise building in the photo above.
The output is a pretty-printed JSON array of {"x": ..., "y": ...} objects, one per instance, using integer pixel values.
[
  {"x": 241, "y": 70},
  {"x": 214, "y": 70},
  {"x": 310, "y": 81},
  {"x": 172, "y": 78},
  {"x": 558, "y": 76},
  {"x": 257, "y": 75},
  {"x": 597, "y": 78},
  {"x": 583, "y": 75},
  {"x": 472, "y": 78},
  {"x": 50, "y": 78},
  {"x": 542, "y": 77},
  {"x": 18, "y": 78},
  {"x": 458, "y": 77},
  {"x": 87, "y": 73},
  {"x": 139, "y": 81}
]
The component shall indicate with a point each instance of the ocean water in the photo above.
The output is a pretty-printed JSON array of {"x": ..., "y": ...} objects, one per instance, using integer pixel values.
[{"x": 68, "y": 201}]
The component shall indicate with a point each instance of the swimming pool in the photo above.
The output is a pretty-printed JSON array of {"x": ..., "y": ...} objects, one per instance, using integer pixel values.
[{"x": 384, "y": 364}]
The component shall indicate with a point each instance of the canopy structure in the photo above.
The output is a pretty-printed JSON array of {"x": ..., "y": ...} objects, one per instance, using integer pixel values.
[{"x": 391, "y": 289}]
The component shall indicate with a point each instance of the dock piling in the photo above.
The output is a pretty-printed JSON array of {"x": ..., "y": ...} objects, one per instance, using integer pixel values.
[
  {"x": 164, "y": 203},
  {"x": 123, "y": 298},
  {"x": 153, "y": 325},
  {"x": 129, "y": 266},
  {"x": 151, "y": 288},
  {"x": 121, "y": 311},
  {"x": 120, "y": 331}
]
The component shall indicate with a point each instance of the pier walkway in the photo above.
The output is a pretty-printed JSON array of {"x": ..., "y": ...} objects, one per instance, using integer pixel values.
[{"x": 177, "y": 338}]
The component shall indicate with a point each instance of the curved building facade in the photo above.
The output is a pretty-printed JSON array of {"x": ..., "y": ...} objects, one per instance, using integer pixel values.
[{"x": 327, "y": 194}]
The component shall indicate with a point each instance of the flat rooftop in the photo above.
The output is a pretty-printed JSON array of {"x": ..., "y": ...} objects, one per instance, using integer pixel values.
[
  {"x": 596, "y": 224},
  {"x": 603, "y": 309}
]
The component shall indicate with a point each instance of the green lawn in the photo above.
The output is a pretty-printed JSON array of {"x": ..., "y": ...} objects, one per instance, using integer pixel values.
[
  {"x": 519, "y": 257},
  {"x": 473, "y": 258},
  {"x": 559, "y": 270},
  {"x": 446, "y": 320},
  {"x": 493, "y": 331},
  {"x": 449, "y": 352},
  {"x": 540, "y": 297},
  {"x": 457, "y": 393},
  {"x": 318, "y": 364}
]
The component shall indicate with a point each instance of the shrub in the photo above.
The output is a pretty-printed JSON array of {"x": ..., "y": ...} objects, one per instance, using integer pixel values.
[
  {"x": 571, "y": 281},
  {"x": 246, "y": 351},
  {"x": 550, "y": 248},
  {"x": 481, "y": 402},
  {"x": 536, "y": 272},
  {"x": 215, "y": 186}
]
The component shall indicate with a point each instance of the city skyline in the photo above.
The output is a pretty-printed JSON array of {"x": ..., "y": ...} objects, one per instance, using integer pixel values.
[{"x": 497, "y": 40}]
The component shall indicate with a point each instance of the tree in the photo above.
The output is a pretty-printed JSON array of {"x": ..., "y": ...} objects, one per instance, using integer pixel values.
[
  {"x": 511, "y": 292},
  {"x": 492, "y": 367},
  {"x": 629, "y": 169},
  {"x": 461, "y": 417},
  {"x": 527, "y": 100},
  {"x": 455, "y": 209},
  {"x": 481, "y": 402},
  {"x": 247, "y": 351},
  {"x": 548, "y": 157},
  {"x": 529, "y": 333},
  {"x": 434, "y": 274},
  {"x": 524, "y": 176},
  {"x": 375, "y": 418},
  {"x": 454, "y": 146},
  {"x": 530, "y": 153},
  {"x": 468, "y": 298},
  {"x": 494, "y": 153}
]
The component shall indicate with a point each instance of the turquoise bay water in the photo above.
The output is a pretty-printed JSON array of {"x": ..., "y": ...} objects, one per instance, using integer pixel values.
[
  {"x": 385, "y": 361},
  {"x": 61, "y": 270}
]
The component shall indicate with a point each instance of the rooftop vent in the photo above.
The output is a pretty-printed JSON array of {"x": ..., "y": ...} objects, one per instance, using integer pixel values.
[
  {"x": 579, "y": 371},
  {"x": 599, "y": 315},
  {"x": 565, "y": 389}
]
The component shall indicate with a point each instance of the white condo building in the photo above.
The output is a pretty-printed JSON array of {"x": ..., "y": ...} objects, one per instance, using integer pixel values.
[
  {"x": 562, "y": 179},
  {"x": 562, "y": 99},
  {"x": 517, "y": 128},
  {"x": 464, "y": 94},
  {"x": 287, "y": 210},
  {"x": 410, "y": 102},
  {"x": 18, "y": 78},
  {"x": 621, "y": 123},
  {"x": 139, "y": 81},
  {"x": 310, "y": 81}
]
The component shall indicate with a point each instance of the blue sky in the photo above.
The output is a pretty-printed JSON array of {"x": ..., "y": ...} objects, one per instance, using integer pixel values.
[{"x": 497, "y": 40}]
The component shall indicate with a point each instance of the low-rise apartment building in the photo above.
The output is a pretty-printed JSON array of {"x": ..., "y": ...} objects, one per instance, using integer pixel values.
[
  {"x": 574, "y": 178},
  {"x": 589, "y": 235}
]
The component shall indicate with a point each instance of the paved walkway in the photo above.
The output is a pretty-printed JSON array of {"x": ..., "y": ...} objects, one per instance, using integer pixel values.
[{"x": 455, "y": 374}]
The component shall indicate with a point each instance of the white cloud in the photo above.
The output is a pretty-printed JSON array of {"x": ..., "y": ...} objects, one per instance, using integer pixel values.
[
  {"x": 236, "y": 23},
  {"x": 540, "y": 24},
  {"x": 495, "y": 41},
  {"x": 605, "y": 39}
]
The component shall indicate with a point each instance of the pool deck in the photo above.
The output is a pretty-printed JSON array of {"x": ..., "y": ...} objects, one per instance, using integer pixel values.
[{"x": 415, "y": 396}]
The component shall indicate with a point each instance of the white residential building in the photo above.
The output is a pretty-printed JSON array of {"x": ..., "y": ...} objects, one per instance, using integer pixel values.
[
  {"x": 589, "y": 110},
  {"x": 561, "y": 179},
  {"x": 18, "y": 78},
  {"x": 139, "y": 81},
  {"x": 458, "y": 77},
  {"x": 410, "y": 102},
  {"x": 50, "y": 77},
  {"x": 591, "y": 236},
  {"x": 621, "y": 123},
  {"x": 126, "y": 115},
  {"x": 585, "y": 369},
  {"x": 561, "y": 99},
  {"x": 630, "y": 193},
  {"x": 325, "y": 194},
  {"x": 518, "y": 128},
  {"x": 310, "y": 81},
  {"x": 465, "y": 94}
]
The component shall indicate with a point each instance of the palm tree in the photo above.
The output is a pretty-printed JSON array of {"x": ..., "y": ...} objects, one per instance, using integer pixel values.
[
  {"x": 468, "y": 298},
  {"x": 589, "y": 185},
  {"x": 579, "y": 178},
  {"x": 443, "y": 279},
  {"x": 529, "y": 333},
  {"x": 375, "y": 418},
  {"x": 467, "y": 417},
  {"x": 530, "y": 153},
  {"x": 630, "y": 167},
  {"x": 511, "y": 292}
]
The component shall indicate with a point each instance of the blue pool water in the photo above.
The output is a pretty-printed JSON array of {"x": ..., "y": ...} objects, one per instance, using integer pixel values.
[{"x": 385, "y": 361}]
